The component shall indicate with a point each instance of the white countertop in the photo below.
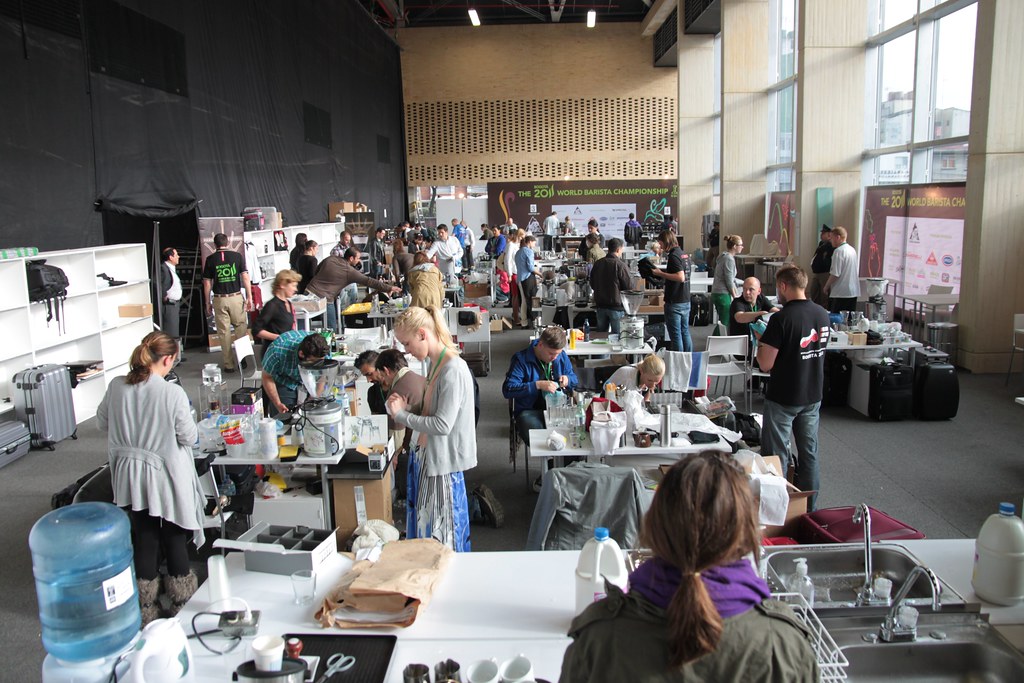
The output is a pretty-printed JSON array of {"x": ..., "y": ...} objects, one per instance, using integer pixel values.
[{"x": 491, "y": 605}]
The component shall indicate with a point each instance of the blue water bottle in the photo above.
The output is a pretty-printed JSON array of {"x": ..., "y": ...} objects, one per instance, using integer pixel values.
[{"x": 85, "y": 581}]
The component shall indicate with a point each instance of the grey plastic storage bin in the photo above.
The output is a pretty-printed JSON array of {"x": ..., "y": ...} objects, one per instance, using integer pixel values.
[{"x": 275, "y": 549}]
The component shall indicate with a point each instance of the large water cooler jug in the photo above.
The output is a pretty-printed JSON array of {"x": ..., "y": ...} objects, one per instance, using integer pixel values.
[{"x": 85, "y": 581}]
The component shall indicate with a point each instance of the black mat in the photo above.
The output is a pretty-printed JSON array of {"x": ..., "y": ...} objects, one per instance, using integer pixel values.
[{"x": 372, "y": 653}]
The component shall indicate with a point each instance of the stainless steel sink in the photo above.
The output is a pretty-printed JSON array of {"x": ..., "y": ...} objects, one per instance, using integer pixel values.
[
  {"x": 838, "y": 573},
  {"x": 950, "y": 647}
]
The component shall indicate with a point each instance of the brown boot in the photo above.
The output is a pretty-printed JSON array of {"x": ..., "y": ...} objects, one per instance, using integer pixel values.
[
  {"x": 149, "y": 589},
  {"x": 179, "y": 589}
]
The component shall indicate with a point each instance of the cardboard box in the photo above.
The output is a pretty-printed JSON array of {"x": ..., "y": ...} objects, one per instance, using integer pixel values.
[
  {"x": 334, "y": 208},
  {"x": 474, "y": 290},
  {"x": 857, "y": 338},
  {"x": 134, "y": 310},
  {"x": 655, "y": 299},
  {"x": 500, "y": 324},
  {"x": 274, "y": 549},
  {"x": 359, "y": 492}
]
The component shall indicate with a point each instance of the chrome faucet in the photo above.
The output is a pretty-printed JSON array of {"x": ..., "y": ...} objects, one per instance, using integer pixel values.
[
  {"x": 895, "y": 628},
  {"x": 866, "y": 595}
]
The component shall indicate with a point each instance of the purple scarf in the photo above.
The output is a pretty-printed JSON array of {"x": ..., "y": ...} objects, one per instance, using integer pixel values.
[{"x": 734, "y": 588}]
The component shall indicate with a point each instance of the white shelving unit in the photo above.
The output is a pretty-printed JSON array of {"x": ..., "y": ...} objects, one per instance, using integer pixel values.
[
  {"x": 90, "y": 327},
  {"x": 271, "y": 262}
]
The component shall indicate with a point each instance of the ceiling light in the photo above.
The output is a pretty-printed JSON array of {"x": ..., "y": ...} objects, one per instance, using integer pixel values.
[
  {"x": 474, "y": 18},
  {"x": 591, "y": 19}
]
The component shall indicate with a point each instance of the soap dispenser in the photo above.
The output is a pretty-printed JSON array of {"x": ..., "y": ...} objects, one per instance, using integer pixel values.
[{"x": 800, "y": 582}]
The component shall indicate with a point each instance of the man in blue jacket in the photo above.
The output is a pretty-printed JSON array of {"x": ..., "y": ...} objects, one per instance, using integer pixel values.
[{"x": 541, "y": 368}]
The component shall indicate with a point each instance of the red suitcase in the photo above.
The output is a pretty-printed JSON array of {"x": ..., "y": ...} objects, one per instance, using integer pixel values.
[{"x": 836, "y": 525}]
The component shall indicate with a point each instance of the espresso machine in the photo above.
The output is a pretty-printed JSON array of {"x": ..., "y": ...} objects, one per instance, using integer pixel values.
[{"x": 631, "y": 328}]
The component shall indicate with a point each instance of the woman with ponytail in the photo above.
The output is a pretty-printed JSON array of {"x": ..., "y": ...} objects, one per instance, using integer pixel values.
[
  {"x": 697, "y": 610},
  {"x": 150, "y": 433},
  {"x": 443, "y": 443}
]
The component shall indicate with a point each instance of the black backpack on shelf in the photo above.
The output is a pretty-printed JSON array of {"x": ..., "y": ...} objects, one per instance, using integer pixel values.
[{"x": 47, "y": 284}]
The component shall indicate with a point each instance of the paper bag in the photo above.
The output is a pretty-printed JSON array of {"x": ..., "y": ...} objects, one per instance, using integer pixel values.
[{"x": 390, "y": 591}]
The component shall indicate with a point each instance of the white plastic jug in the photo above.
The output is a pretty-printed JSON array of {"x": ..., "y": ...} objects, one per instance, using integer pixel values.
[
  {"x": 999, "y": 558},
  {"x": 600, "y": 559}
]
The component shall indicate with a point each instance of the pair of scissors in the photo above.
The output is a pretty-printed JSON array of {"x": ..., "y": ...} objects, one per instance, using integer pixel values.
[{"x": 336, "y": 664}]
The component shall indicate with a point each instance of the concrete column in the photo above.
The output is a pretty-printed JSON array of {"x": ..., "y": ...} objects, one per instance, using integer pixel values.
[
  {"x": 745, "y": 76},
  {"x": 829, "y": 115},
  {"x": 992, "y": 289},
  {"x": 696, "y": 132}
]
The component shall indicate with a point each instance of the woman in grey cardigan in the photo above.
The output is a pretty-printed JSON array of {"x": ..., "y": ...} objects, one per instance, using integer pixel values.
[
  {"x": 723, "y": 288},
  {"x": 150, "y": 433},
  {"x": 443, "y": 443}
]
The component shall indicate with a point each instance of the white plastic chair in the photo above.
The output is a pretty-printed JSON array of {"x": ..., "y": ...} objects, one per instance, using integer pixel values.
[
  {"x": 1018, "y": 331},
  {"x": 721, "y": 351},
  {"x": 245, "y": 356}
]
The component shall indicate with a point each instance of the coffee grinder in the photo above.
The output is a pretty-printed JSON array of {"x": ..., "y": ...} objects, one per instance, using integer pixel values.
[
  {"x": 582, "y": 285},
  {"x": 632, "y": 328},
  {"x": 875, "y": 292}
]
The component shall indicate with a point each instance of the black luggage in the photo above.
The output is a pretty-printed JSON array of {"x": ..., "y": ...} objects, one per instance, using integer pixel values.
[
  {"x": 700, "y": 310},
  {"x": 836, "y": 389},
  {"x": 477, "y": 362},
  {"x": 936, "y": 392},
  {"x": 42, "y": 399},
  {"x": 14, "y": 441},
  {"x": 891, "y": 392}
]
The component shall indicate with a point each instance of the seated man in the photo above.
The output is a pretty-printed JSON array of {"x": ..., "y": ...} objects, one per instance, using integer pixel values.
[
  {"x": 281, "y": 380},
  {"x": 366, "y": 365},
  {"x": 539, "y": 369},
  {"x": 751, "y": 305}
]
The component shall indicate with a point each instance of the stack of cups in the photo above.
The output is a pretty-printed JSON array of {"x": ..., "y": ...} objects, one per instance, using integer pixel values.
[{"x": 268, "y": 438}]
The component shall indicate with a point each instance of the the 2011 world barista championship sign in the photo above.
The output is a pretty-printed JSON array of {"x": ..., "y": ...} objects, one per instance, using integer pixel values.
[{"x": 608, "y": 201}]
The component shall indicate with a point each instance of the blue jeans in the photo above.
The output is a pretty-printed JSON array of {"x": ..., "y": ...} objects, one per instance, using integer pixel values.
[
  {"x": 346, "y": 297},
  {"x": 783, "y": 424},
  {"x": 608, "y": 317},
  {"x": 527, "y": 420},
  {"x": 677, "y": 326}
]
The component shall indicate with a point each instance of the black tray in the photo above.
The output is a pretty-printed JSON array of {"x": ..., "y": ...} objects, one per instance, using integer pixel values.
[{"x": 372, "y": 653}]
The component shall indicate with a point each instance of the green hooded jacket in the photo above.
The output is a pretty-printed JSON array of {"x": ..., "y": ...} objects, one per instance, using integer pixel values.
[{"x": 625, "y": 638}]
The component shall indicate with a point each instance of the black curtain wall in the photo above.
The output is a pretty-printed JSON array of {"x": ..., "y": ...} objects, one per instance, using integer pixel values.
[{"x": 149, "y": 108}]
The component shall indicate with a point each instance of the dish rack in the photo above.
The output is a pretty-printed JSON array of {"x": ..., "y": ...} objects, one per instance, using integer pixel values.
[{"x": 832, "y": 663}]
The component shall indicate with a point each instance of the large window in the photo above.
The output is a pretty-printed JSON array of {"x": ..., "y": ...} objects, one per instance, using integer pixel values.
[
  {"x": 782, "y": 97},
  {"x": 920, "y": 69}
]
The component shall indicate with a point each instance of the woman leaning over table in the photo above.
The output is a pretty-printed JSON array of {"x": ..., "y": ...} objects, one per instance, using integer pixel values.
[
  {"x": 723, "y": 287},
  {"x": 443, "y": 443},
  {"x": 697, "y": 610},
  {"x": 278, "y": 315},
  {"x": 150, "y": 433}
]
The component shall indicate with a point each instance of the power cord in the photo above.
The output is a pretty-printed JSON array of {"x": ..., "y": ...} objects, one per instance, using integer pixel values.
[{"x": 198, "y": 635}]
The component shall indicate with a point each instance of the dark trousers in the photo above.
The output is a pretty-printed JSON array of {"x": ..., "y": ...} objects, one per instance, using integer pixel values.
[
  {"x": 152, "y": 536},
  {"x": 529, "y": 291},
  {"x": 171, "y": 318},
  {"x": 844, "y": 304},
  {"x": 549, "y": 242}
]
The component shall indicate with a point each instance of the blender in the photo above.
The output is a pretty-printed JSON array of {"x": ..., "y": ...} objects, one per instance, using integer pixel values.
[
  {"x": 631, "y": 332},
  {"x": 320, "y": 416}
]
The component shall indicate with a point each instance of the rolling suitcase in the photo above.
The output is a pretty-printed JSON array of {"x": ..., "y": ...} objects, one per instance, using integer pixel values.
[
  {"x": 891, "y": 392},
  {"x": 936, "y": 392},
  {"x": 14, "y": 441},
  {"x": 42, "y": 399},
  {"x": 836, "y": 389}
]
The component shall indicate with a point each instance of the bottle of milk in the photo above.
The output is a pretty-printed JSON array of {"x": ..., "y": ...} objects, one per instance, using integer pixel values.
[
  {"x": 601, "y": 559},
  {"x": 999, "y": 558}
]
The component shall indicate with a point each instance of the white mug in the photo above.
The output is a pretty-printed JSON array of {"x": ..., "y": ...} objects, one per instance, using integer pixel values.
[
  {"x": 267, "y": 652},
  {"x": 482, "y": 671},
  {"x": 516, "y": 670}
]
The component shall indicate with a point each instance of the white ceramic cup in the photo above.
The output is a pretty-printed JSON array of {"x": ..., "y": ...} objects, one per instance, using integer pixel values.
[
  {"x": 516, "y": 670},
  {"x": 482, "y": 671},
  {"x": 267, "y": 652}
]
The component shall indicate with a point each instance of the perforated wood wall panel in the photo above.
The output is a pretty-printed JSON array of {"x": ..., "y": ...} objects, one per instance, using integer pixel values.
[
  {"x": 617, "y": 138},
  {"x": 514, "y": 103}
]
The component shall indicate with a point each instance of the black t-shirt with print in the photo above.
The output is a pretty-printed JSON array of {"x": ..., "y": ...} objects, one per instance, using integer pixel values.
[
  {"x": 800, "y": 332},
  {"x": 677, "y": 262},
  {"x": 224, "y": 268}
]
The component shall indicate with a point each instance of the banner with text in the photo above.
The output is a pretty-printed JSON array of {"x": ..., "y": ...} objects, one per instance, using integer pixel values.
[
  {"x": 608, "y": 201},
  {"x": 914, "y": 234}
]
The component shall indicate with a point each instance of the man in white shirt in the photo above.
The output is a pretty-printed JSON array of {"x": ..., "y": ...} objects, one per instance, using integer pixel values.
[
  {"x": 170, "y": 285},
  {"x": 550, "y": 230},
  {"x": 843, "y": 286},
  {"x": 448, "y": 252}
]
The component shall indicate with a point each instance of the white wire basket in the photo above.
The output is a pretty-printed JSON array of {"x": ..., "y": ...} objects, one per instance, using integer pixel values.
[{"x": 832, "y": 663}]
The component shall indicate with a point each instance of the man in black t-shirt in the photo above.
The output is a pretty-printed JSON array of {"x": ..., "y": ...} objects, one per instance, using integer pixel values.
[
  {"x": 792, "y": 349},
  {"x": 224, "y": 275},
  {"x": 677, "y": 292},
  {"x": 748, "y": 307},
  {"x": 821, "y": 264}
]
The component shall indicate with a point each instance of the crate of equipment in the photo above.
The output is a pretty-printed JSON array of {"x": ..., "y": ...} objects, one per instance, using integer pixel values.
[{"x": 275, "y": 549}]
